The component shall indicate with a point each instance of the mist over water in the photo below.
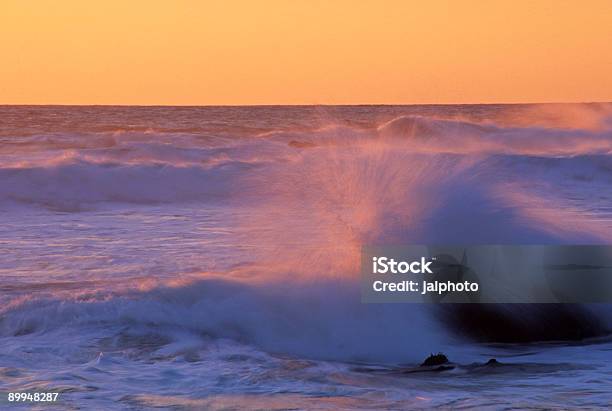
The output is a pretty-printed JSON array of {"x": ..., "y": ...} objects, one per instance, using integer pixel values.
[{"x": 209, "y": 257}]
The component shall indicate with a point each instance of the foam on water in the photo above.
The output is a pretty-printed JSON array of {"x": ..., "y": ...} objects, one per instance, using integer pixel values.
[{"x": 182, "y": 246}]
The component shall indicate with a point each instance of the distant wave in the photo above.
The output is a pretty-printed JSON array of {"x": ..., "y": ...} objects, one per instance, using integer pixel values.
[
  {"x": 79, "y": 184},
  {"x": 456, "y": 136},
  {"x": 67, "y": 171}
]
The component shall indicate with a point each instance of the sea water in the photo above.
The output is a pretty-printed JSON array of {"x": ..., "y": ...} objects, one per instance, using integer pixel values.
[{"x": 208, "y": 257}]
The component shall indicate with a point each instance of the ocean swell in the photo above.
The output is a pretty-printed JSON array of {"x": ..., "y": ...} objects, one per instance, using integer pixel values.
[{"x": 301, "y": 201}]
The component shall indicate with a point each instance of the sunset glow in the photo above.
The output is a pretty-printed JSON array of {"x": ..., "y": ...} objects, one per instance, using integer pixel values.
[
  {"x": 313, "y": 204},
  {"x": 304, "y": 52}
]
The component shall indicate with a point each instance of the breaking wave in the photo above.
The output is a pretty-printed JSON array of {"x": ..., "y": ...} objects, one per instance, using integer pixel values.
[{"x": 302, "y": 202}]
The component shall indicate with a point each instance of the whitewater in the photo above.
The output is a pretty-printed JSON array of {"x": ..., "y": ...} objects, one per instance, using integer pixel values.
[{"x": 208, "y": 257}]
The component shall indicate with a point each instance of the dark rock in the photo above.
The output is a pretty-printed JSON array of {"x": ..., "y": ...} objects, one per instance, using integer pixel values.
[
  {"x": 493, "y": 361},
  {"x": 435, "y": 359},
  {"x": 522, "y": 323}
]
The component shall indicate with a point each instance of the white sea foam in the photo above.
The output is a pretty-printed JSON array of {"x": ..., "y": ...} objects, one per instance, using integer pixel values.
[{"x": 202, "y": 245}]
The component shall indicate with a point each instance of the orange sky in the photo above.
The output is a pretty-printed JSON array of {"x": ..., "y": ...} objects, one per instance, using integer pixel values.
[{"x": 304, "y": 51}]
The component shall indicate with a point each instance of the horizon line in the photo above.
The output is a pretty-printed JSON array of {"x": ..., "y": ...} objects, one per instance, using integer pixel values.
[{"x": 302, "y": 105}]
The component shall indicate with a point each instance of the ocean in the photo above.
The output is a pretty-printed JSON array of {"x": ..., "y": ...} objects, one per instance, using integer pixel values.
[{"x": 208, "y": 257}]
